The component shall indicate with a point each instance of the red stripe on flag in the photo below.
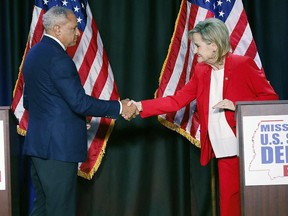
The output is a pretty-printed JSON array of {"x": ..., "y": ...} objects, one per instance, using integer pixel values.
[
  {"x": 252, "y": 50},
  {"x": 114, "y": 95},
  {"x": 192, "y": 16},
  {"x": 181, "y": 80},
  {"x": 238, "y": 31},
  {"x": 173, "y": 50},
  {"x": 90, "y": 55},
  {"x": 38, "y": 31},
  {"x": 24, "y": 120},
  {"x": 102, "y": 77},
  {"x": 18, "y": 90}
]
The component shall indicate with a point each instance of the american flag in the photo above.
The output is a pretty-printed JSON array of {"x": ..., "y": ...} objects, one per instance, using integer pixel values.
[
  {"x": 179, "y": 63},
  {"x": 94, "y": 70}
]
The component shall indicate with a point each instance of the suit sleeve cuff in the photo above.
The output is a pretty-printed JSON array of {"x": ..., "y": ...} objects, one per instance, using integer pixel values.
[{"x": 120, "y": 107}]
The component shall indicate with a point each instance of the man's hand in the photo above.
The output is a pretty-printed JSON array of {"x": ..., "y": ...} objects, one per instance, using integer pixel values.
[
  {"x": 138, "y": 105},
  {"x": 128, "y": 111}
]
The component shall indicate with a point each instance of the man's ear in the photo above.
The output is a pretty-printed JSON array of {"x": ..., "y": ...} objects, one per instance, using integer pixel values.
[{"x": 56, "y": 29}]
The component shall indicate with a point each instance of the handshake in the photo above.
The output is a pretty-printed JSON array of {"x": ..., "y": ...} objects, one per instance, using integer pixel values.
[{"x": 130, "y": 109}]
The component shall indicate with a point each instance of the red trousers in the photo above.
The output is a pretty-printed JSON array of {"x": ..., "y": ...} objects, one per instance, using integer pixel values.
[{"x": 229, "y": 184}]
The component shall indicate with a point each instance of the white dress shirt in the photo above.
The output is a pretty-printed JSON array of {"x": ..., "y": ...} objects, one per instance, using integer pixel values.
[{"x": 223, "y": 140}]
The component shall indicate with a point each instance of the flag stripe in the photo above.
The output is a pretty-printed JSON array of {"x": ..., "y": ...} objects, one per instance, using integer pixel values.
[
  {"x": 36, "y": 28},
  {"x": 169, "y": 64},
  {"x": 89, "y": 57},
  {"x": 101, "y": 79},
  {"x": 238, "y": 31}
]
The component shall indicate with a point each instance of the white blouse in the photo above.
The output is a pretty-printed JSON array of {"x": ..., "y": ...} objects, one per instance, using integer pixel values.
[{"x": 223, "y": 140}]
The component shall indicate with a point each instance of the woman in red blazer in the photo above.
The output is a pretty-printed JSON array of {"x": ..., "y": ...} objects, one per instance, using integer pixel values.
[{"x": 219, "y": 81}]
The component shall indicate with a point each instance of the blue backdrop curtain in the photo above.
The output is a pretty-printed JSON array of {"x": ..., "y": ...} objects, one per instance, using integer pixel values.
[{"x": 147, "y": 169}]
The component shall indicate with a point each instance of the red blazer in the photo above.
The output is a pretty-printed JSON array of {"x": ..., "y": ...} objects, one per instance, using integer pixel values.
[{"x": 243, "y": 81}]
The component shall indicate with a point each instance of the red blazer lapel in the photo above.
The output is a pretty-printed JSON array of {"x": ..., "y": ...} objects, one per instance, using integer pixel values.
[
  {"x": 227, "y": 73},
  {"x": 206, "y": 90}
]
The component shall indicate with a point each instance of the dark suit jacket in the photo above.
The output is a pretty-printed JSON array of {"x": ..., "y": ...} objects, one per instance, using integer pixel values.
[
  {"x": 243, "y": 81},
  {"x": 57, "y": 104}
]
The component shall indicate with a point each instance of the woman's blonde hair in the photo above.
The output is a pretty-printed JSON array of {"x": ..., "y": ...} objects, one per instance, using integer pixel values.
[{"x": 213, "y": 30}]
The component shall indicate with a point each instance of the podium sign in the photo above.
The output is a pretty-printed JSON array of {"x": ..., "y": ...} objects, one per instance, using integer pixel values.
[
  {"x": 262, "y": 131},
  {"x": 2, "y": 158},
  {"x": 9, "y": 153},
  {"x": 265, "y": 148}
]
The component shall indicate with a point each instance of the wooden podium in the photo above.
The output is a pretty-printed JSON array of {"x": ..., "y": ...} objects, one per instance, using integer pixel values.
[
  {"x": 9, "y": 155},
  {"x": 262, "y": 130}
]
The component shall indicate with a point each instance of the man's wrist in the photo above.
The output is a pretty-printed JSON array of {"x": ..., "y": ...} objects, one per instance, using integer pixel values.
[{"x": 120, "y": 107}]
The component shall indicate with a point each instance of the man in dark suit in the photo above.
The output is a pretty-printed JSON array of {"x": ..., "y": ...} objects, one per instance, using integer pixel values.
[{"x": 56, "y": 138}]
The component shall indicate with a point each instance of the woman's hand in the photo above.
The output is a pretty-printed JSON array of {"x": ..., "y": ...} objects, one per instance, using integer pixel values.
[{"x": 225, "y": 104}]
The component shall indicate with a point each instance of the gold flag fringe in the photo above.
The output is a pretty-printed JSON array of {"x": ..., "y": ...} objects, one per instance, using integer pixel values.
[
  {"x": 179, "y": 130},
  {"x": 89, "y": 175},
  {"x": 160, "y": 119},
  {"x": 21, "y": 131},
  {"x": 170, "y": 45},
  {"x": 21, "y": 65}
]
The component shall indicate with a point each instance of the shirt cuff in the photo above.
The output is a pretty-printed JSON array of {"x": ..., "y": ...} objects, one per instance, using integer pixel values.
[{"x": 120, "y": 107}]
